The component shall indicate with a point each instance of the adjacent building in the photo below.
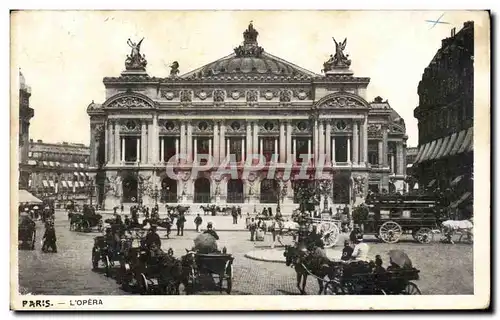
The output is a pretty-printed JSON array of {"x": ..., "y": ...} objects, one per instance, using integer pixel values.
[
  {"x": 59, "y": 171},
  {"x": 25, "y": 115},
  {"x": 249, "y": 102},
  {"x": 445, "y": 119}
]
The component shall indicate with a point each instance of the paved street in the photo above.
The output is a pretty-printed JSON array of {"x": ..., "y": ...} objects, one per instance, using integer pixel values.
[{"x": 445, "y": 268}]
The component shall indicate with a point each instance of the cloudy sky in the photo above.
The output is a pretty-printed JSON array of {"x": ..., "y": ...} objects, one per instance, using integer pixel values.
[{"x": 65, "y": 55}]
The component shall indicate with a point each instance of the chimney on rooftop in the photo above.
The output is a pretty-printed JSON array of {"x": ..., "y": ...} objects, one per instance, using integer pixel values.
[
  {"x": 39, "y": 141},
  {"x": 453, "y": 32}
]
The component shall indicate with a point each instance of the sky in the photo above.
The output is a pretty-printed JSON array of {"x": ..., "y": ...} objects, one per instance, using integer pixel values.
[{"x": 64, "y": 55}]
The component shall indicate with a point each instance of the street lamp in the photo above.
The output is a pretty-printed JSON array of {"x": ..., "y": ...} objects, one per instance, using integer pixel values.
[
  {"x": 91, "y": 190},
  {"x": 282, "y": 193},
  {"x": 155, "y": 194}
]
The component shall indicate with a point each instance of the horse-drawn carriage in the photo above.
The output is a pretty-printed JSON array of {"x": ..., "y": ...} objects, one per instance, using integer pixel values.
[
  {"x": 388, "y": 217},
  {"x": 111, "y": 254},
  {"x": 26, "y": 233},
  {"x": 328, "y": 227},
  {"x": 207, "y": 265},
  {"x": 85, "y": 222},
  {"x": 360, "y": 279}
]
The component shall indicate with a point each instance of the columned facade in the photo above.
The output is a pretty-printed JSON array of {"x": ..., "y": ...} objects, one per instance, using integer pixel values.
[{"x": 255, "y": 118}]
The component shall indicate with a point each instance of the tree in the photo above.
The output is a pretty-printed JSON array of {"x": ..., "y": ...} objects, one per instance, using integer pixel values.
[{"x": 307, "y": 195}]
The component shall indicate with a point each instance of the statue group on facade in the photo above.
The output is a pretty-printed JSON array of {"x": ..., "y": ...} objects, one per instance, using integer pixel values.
[
  {"x": 136, "y": 60},
  {"x": 339, "y": 59}
]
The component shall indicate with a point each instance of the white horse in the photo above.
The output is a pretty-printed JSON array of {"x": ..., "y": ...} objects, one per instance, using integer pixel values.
[{"x": 461, "y": 227}]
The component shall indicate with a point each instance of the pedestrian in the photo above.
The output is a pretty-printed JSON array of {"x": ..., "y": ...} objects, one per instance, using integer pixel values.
[
  {"x": 270, "y": 211},
  {"x": 49, "y": 238},
  {"x": 197, "y": 222},
  {"x": 347, "y": 251},
  {"x": 276, "y": 230},
  {"x": 239, "y": 212},
  {"x": 121, "y": 208},
  {"x": 234, "y": 213},
  {"x": 168, "y": 225},
  {"x": 252, "y": 227},
  {"x": 180, "y": 225}
]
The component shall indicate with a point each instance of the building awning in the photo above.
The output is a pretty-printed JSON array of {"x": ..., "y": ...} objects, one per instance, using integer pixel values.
[
  {"x": 45, "y": 163},
  {"x": 45, "y": 183},
  {"x": 70, "y": 183},
  {"x": 443, "y": 148},
  {"x": 458, "y": 143},
  {"x": 51, "y": 183},
  {"x": 30, "y": 182},
  {"x": 451, "y": 143},
  {"x": 64, "y": 183},
  {"x": 429, "y": 151},
  {"x": 87, "y": 174},
  {"x": 425, "y": 148},
  {"x": 51, "y": 163},
  {"x": 436, "y": 149},
  {"x": 27, "y": 197},
  {"x": 464, "y": 197},
  {"x": 419, "y": 154},
  {"x": 82, "y": 166},
  {"x": 456, "y": 180},
  {"x": 82, "y": 174},
  {"x": 467, "y": 141},
  {"x": 32, "y": 162},
  {"x": 75, "y": 174},
  {"x": 82, "y": 184},
  {"x": 58, "y": 164},
  {"x": 433, "y": 181},
  {"x": 409, "y": 165}
]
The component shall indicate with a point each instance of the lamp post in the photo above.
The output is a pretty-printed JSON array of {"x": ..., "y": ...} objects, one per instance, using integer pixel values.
[
  {"x": 91, "y": 190},
  {"x": 155, "y": 194},
  {"x": 281, "y": 195}
]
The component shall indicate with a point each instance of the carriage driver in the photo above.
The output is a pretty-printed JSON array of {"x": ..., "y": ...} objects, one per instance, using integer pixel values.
[
  {"x": 211, "y": 231},
  {"x": 152, "y": 238}
]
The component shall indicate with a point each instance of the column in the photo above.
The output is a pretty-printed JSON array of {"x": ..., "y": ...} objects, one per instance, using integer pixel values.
[
  {"x": 222, "y": 141},
  {"x": 107, "y": 135},
  {"x": 122, "y": 157},
  {"x": 143, "y": 142},
  {"x": 216, "y": 154},
  {"x": 289, "y": 141},
  {"x": 348, "y": 149},
  {"x": 228, "y": 148},
  {"x": 261, "y": 148},
  {"x": 183, "y": 139},
  {"x": 384, "y": 146},
  {"x": 282, "y": 144},
  {"x": 242, "y": 149},
  {"x": 189, "y": 142},
  {"x": 138, "y": 149},
  {"x": 276, "y": 147},
  {"x": 365, "y": 140},
  {"x": 255, "y": 137},
  {"x": 195, "y": 156},
  {"x": 316, "y": 140},
  {"x": 321, "y": 151},
  {"x": 209, "y": 147},
  {"x": 308, "y": 148},
  {"x": 162, "y": 149},
  {"x": 294, "y": 151},
  {"x": 380, "y": 153},
  {"x": 116, "y": 147},
  {"x": 328, "y": 144},
  {"x": 92, "y": 153},
  {"x": 176, "y": 150},
  {"x": 249, "y": 139},
  {"x": 355, "y": 142},
  {"x": 154, "y": 140},
  {"x": 333, "y": 150},
  {"x": 392, "y": 163},
  {"x": 400, "y": 159}
]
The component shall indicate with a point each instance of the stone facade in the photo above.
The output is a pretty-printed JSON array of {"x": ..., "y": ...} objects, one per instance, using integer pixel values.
[{"x": 250, "y": 102}]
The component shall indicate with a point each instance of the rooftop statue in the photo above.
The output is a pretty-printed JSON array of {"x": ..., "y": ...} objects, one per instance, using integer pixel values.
[
  {"x": 339, "y": 59},
  {"x": 135, "y": 61},
  {"x": 174, "y": 69}
]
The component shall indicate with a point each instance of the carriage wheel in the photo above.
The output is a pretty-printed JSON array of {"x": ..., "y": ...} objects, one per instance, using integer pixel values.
[
  {"x": 100, "y": 226},
  {"x": 107, "y": 265},
  {"x": 85, "y": 226},
  {"x": 229, "y": 275},
  {"x": 334, "y": 288},
  {"x": 143, "y": 284},
  {"x": 423, "y": 235},
  {"x": 331, "y": 236},
  {"x": 325, "y": 226},
  {"x": 390, "y": 232},
  {"x": 411, "y": 289}
]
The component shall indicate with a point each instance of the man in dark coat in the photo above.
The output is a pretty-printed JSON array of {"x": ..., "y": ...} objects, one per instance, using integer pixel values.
[
  {"x": 49, "y": 238},
  {"x": 198, "y": 221},
  {"x": 234, "y": 213},
  {"x": 180, "y": 225},
  {"x": 211, "y": 231},
  {"x": 152, "y": 238}
]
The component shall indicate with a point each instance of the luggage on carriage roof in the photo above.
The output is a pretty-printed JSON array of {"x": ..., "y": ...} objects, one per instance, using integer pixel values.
[{"x": 205, "y": 243}]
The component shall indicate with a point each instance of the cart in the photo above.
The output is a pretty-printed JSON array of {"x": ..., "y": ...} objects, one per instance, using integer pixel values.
[
  {"x": 392, "y": 216},
  {"x": 27, "y": 236},
  {"x": 215, "y": 264},
  {"x": 361, "y": 280}
]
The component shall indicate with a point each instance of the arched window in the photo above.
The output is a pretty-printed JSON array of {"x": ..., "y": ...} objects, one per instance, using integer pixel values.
[
  {"x": 202, "y": 190},
  {"x": 235, "y": 191},
  {"x": 168, "y": 190},
  {"x": 130, "y": 190},
  {"x": 269, "y": 191}
]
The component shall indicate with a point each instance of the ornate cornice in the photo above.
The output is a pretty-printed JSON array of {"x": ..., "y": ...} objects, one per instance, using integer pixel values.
[
  {"x": 341, "y": 100},
  {"x": 129, "y": 100}
]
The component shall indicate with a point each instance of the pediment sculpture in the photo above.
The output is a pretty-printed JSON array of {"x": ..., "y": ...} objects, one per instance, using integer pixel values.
[
  {"x": 342, "y": 102},
  {"x": 136, "y": 60},
  {"x": 339, "y": 59}
]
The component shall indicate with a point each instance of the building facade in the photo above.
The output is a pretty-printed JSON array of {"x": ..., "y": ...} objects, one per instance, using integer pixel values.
[
  {"x": 25, "y": 115},
  {"x": 248, "y": 103},
  {"x": 445, "y": 118},
  {"x": 60, "y": 171}
]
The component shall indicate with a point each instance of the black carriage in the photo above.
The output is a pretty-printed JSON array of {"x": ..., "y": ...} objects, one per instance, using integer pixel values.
[
  {"x": 361, "y": 279},
  {"x": 107, "y": 253},
  {"x": 215, "y": 264},
  {"x": 86, "y": 222},
  {"x": 27, "y": 235},
  {"x": 388, "y": 217}
]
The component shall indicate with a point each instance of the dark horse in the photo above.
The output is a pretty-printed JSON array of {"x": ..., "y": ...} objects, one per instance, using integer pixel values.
[{"x": 310, "y": 263}]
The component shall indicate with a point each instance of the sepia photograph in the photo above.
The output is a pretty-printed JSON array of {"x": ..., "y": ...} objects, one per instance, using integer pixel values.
[{"x": 296, "y": 155}]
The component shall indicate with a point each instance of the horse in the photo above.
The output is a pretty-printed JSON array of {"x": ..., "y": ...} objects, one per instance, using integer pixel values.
[
  {"x": 462, "y": 227},
  {"x": 314, "y": 263},
  {"x": 211, "y": 209},
  {"x": 188, "y": 267},
  {"x": 75, "y": 220}
]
